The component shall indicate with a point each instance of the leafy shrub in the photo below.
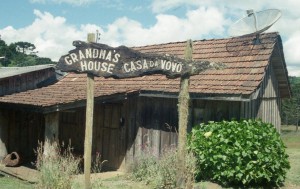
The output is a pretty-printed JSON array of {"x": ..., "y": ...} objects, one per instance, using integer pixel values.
[
  {"x": 239, "y": 153},
  {"x": 161, "y": 172}
]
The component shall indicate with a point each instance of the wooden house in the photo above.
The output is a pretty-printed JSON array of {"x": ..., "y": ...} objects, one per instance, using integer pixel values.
[
  {"x": 135, "y": 114},
  {"x": 18, "y": 79}
]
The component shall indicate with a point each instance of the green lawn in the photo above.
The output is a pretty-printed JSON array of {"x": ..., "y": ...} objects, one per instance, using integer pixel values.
[
  {"x": 9, "y": 182},
  {"x": 292, "y": 141}
]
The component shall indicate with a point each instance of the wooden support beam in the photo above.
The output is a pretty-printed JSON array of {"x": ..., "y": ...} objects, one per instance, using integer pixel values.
[
  {"x": 51, "y": 131},
  {"x": 89, "y": 125},
  {"x": 183, "y": 115},
  {"x": 52, "y": 126}
]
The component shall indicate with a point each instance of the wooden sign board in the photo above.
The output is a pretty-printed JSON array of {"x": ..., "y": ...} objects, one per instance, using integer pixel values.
[{"x": 122, "y": 62}]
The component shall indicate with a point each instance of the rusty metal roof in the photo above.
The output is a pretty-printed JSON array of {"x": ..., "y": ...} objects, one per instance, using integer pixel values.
[{"x": 246, "y": 64}]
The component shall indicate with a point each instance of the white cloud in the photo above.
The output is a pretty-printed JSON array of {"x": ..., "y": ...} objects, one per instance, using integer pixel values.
[
  {"x": 51, "y": 41},
  {"x": 197, "y": 24},
  {"x": 292, "y": 49}
]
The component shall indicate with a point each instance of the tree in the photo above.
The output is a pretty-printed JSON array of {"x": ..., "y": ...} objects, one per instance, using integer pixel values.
[
  {"x": 20, "y": 54},
  {"x": 25, "y": 47}
]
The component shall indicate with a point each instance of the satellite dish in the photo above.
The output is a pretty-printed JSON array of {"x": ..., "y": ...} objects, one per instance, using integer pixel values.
[{"x": 255, "y": 23}]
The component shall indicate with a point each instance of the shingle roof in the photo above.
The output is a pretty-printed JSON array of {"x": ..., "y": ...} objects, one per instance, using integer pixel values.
[
  {"x": 246, "y": 64},
  {"x": 12, "y": 71}
]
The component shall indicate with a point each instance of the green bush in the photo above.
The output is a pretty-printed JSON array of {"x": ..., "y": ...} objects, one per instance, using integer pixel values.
[{"x": 248, "y": 153}]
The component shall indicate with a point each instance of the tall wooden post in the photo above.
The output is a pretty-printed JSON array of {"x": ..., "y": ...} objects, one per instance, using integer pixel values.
[
  {"x": 183, "y": 113},
  {"x": 51, "y": 133},
  {"x": 89, "y": 125}
]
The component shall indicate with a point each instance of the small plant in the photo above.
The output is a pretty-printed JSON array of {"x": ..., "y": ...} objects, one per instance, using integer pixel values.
[
  {"x": 56, "y": 166},
  {"x": 161, "y": 172},
  {"x": 97, "y": 164},
  {"x": 248, "y": 153}
]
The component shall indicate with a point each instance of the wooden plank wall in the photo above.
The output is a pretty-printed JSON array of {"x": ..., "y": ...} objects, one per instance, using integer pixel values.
[
  {"x": 154, "y": 128},
  {"x": 25, "y": 129},
  {"x": 157, "y": 121},
  {"x": 269, "y": 109},
  {"x": 72, "y": 128},
  {"x": 24, "y": 82},
  {"x": 208, "y": 110},
  {"x": 267, "y": 105}
]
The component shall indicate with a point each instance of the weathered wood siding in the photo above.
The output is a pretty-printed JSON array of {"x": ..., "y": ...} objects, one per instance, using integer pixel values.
[
  {"x": 24, "y": 82},
  {"x": 270, "y": 102},
  {"x": 267, "y": 104},
  {"x": 24, "y": 131},
  {"x": 151, "y": 126},
  {"x": 208, "y": 110},
  {"x": 72, "y": 128}
]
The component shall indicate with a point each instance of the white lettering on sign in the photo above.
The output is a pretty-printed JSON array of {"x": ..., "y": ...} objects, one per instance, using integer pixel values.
[
  {"x": 171, "y": 66},
  {"x": 145, "y": 65},
  {"x": 91, "y": 53},
  {"x": 97, "y": 66}
]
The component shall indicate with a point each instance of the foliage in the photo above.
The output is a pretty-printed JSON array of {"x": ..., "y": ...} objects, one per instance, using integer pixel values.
[
  {"x": 161, "y": 172},
  {"x": 239, "y": 153},
  {"x": 20, "y": 54},
  {"x": 56, "y": 166},
  {"x": 25, "y": 47},
  {"x": 291, "y": 106}
]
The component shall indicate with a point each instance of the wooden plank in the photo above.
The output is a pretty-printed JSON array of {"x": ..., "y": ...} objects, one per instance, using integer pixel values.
[
  {"x": 89, "y": 125},
  {"x": 113, "y": 148},
  {"x": 51, "y": 126},
  {"x": 156, "y": 125},
  {"x": 123, "y": 144},
  {"x": 88, "y": 130},
  {"x": 107, "y": 116},
  {"x": 99, "y": 128},
  {"x": 105, "y": 144},
  {"x": 165, "y": 141}
]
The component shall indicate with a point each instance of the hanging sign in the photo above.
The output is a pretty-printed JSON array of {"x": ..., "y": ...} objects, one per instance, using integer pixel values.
[{"x": 122, "y": 62}]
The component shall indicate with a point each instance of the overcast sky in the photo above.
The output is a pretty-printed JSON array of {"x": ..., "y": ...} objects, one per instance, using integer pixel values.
[{"x": 52, "y": 25}]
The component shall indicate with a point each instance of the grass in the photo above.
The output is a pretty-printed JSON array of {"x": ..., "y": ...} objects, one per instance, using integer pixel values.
[
  {"x": 9, "y": 182},
  {"x": 292, "y": 141}
]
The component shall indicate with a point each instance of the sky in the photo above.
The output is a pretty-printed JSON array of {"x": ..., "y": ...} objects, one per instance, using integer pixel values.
[{"x": 52, "y": 25}]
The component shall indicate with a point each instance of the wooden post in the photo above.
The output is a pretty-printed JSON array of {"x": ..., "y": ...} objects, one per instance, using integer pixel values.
[
  {"x": 89, "y": 125},
  {"x": 52, "y": 126},
  {"x": 51, "y": 132},
  {"x": 183, "y": 113}
]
